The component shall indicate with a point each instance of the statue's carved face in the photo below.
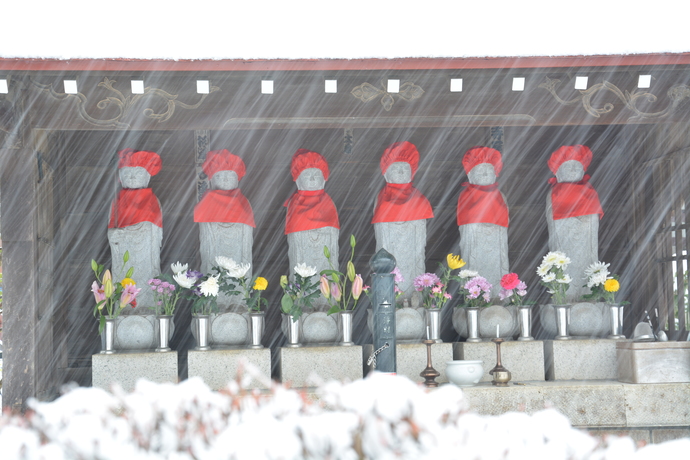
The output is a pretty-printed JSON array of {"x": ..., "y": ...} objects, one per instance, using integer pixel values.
[
  {"x": 224, "y": 180},
  {"x": 570, "y": 171},
  {"x": 482, "y": 174},
  {"x": 399, "y": 172},
  {"x": 310, "y": 179},
  {"x": 134, "y": 177}
]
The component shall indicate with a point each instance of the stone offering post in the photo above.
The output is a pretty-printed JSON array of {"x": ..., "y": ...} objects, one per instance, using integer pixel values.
[{"x": 383, "y": 304}]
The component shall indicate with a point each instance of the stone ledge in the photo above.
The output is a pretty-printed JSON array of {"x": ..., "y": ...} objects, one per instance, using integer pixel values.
[
  {"x": 524, "y": 360},
  {"x": 296, "y": 365},
  {"x": 411, "y": 359},
  {"x": 126, "y": 368},
  {"x": 218, "y": 367}
]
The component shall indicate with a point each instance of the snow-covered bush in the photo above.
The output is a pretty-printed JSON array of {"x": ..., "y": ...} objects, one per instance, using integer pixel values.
[{"x": 380, "y": 417}]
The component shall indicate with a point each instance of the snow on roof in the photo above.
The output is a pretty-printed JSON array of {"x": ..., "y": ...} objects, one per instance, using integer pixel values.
[{"x": 317, "y": 29}]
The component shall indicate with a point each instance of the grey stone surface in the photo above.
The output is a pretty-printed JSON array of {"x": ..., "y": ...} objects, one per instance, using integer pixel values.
[
  {"x": 639, "y": 435},
  {"x": 218, "y": 367},
  {"x": 137, "y": 332},
  {"x": 524, "y": 360},
  {"x": 487, "y": 399},
  {"x": 407, "y": 242},
  {"x": 669, "y": 434},
  {"x": 580, "y": 359},
  {"x": 587, "y": 320},
  {"x": 142, "y": 240},
  {"x": 588, "y": 405},
  {"x": 657, "y": 404},
  {"x": 409, "y": 324},
  {"x": 488, "y": 318},
  {"x": 411, "y": 359},
  {"x": 230, "y": 328},
  {"x": 126, "y": 368},
  {"x": 653, "y": 362},
  {"x": 297, "y": 365},
  {"x": 319, "y": 328},
  {"x": 577, "y": 237}
]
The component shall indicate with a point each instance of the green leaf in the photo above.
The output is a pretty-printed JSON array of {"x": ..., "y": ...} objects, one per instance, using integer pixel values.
[
  {"x": 333, "y": 309},
  {"x": 286, "y": 304},
  {"x": 101, "y": 324},
  {"x": 94, "y": 265}
]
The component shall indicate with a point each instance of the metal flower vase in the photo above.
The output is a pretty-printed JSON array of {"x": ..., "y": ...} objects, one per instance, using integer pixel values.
[
  {"x": 256, "y": 329},
  {"x": 345, "y": 328},
  {"x": 292, "y": 331},
  {"x": 616, "y": 317},
  {"x": 202, "y": 327},
  {"x": 562, "y": 322},
  {"x": 472, "y": 324},
  {"x": 163, "y": 333},
  {"x": 432, "y": 317},
  {"x": 525, "y": 323},
  {"x": 108, "y": 337}
]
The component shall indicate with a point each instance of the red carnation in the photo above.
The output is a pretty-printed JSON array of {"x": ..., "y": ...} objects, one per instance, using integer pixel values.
[{"x": 510, "y": 281}]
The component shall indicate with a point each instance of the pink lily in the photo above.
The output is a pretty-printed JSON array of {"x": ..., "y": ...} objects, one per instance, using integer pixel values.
[
  {"x": 98, "y": 292},
  {"x": 129, "y": 293},
  {"x": 325, "y": 288},
  {"x": 357, "y": 287},
  {"x": 335, "y": 292}
]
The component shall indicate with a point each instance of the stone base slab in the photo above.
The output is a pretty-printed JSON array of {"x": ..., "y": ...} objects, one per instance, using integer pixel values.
[
  {"x": 126, "y": 368},
  {"x": 581, "y": 359},
  {"x": 297, "y": 365},
  {"x": 218, "y": 367},
  {"x": 524, "y": 360},
  {"x": 411, "y": 359},
  {"x": 653, "y": 362}
]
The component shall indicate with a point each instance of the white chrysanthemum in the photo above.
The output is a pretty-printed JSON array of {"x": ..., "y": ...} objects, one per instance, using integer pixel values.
[
  {"x": 468, "y": 274},
  {"x": 177, "y": 267},
  {"x": 304, "y": 270},
  {"x": 239, "y": 270},
  {"x": 551, "y": 257},
  {"x": 184, "y": 281},
  {"x": 597, "y": 279},
  {"x": 226, "y": 263},
  {"x": 549, "y": 277},
  {"x": 562, "y": 261},
  {"x": 597, "y": 267},
  {"x": 543, "y": 269},
  {"x": 565, "y": 280},
  {"x": 209, "y": 287}
]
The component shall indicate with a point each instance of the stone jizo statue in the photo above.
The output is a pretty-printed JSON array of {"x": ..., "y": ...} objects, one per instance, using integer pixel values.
[
  {"x": 312, "y": 218},
  {"x": 225, "y": 217},
  {"x": 400, "y": 213},
  {"x": 573, "y": 211},
  {"x": 136, "y": 224},
  {"x": 482, "y": 217}
]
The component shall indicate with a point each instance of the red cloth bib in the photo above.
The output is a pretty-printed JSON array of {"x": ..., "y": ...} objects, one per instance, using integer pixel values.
[
  {"x": 401, "y": 203},
  {"x": 308, "y": 210},
  {"x": 572, "y": 199},
  {"x": 482, "y": 204},
  {"x": 224, "y": 206},
  {"x": 134, "y": 205}
]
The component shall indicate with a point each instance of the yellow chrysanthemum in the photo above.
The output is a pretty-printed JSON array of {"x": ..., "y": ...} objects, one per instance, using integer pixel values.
[
  {"x": 612, "y": 285},
  {"x": 127, "y": 282},
  {"x": 260, "y": 284},
  {"x": 454, "y": 261}
]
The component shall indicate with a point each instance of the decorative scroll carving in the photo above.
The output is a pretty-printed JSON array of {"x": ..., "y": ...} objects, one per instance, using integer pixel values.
[
  {"x": 124, "y": 104},
  {"x": 367, "y": 92},
  {"x": 676, "y": 94}
]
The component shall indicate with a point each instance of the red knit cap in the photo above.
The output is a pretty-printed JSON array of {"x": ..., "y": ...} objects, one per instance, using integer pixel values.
[
  {"x": 222, "y": 160},
  {"x": 305, "y": 159},
  {"x": 147, "y": 160},
  {"x": 478, "y": 155},
  {"x": 400, "y": 151},
  {"x": 579, "y": 153}
]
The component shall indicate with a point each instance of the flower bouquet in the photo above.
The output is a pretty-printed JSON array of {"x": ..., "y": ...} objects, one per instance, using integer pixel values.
[
  {"x": 202, "y": 290},
  {"x": 301, "y": 293},
  {"x": 477, "y": 291},
  {"x": 553, "y": 276},
  {"x": 513, "y": 289},
  {"x": 112, "y": 296},
  {"x": 434, "y": 290},
  {"x": 231, "y": 272},
  {"x": 333, "y": 284},
  {"x": 167, "y": 290},
  {"x": 603, "y": 284}
]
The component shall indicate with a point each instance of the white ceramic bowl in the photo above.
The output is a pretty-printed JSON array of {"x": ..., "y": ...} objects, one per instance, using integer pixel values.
[{"x": 464, "y": 372}]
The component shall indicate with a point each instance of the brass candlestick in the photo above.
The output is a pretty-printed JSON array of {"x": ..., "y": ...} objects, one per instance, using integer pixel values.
[
  {"x": 429, "y": 373},
  {"x": 500, "y": 373}
]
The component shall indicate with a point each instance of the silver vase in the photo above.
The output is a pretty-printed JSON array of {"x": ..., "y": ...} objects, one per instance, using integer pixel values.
[
  {"x": 345, "y": 326},
  {"x": 432, "y": 318},
  {"x": 256, "y": 329},
  {"x": 108, "y": 337},
  {"x": 473, "y": 324},
  {"x": 562, "y": 322},
  {"x": 163, "y": 332},
  {"x": 202, "y": 326},
  {"x": 525, "y": 322},
  {"x": 616, "y": 315},
  {"x": 293, "y": 329}
]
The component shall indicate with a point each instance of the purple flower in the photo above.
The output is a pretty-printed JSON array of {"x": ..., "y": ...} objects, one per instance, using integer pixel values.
[
  {"x": 504, "y": 294},
  {"x": 487, "y": 297},
  {"x": 522, "y": 286},
  {"x": 425, "y": 280},
  {"x": 398, "y": 276},
  {"x": 522, "y": 292}
]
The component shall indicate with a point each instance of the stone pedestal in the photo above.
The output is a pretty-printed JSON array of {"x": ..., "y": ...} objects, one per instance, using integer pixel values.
[
  {"x": 653, "y": 362},
  {"x": 524, "y": 360},
  {"x": 411, "y": 359},
  {"x": 126, "y": 368},
  {"x": 586, "y": 359},
  {"x": 218, "y": 367},
  {"x": 296, "y": 365}
]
